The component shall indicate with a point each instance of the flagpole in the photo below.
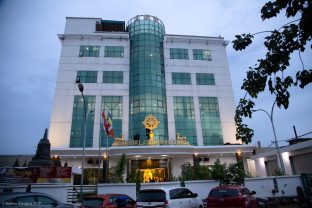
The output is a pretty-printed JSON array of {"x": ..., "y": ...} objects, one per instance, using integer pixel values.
[
  {"x": 107, "y": 124},
  {"x": 107, "y": 160},
  {"x": 99, "y": 160}
]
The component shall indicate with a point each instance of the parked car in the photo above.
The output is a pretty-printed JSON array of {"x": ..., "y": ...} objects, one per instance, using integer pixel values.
[
  {"x": 108, "y": 201},
  {"x": 30, "y": 199},
  {"x": 168, "y": 198},
  {"x": 231, "y": 196}
]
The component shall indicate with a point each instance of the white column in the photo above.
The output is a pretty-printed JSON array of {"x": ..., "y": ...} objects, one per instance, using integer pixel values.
[
  {"x": 97, "y": 117},
  {"x": 286, "y": 161},
  {"x": 199, "y": 132},
  {"x": 125, "y": 116},
  {"x": 171, "y": 121},
  {"x": 260, "y": 167}
]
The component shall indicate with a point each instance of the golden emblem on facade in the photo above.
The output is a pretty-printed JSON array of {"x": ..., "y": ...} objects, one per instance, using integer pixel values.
[{"x": 150, "y": 122}]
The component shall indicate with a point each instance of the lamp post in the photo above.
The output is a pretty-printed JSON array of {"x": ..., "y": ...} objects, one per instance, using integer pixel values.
[
  {"x": 275, "y": 138},
  {"x": 80, "y": 86}
]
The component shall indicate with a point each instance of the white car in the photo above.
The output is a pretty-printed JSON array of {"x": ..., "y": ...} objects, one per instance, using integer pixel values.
[{"x": 168, "y": 198}]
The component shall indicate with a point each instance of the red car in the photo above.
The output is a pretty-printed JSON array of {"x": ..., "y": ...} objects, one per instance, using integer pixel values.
[
  {"x": 231, "y": 196},
  {"x": 108, "y": 201}
]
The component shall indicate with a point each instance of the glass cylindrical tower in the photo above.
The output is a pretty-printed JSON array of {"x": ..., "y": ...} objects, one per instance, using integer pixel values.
[{"x": 147, "y": 76}]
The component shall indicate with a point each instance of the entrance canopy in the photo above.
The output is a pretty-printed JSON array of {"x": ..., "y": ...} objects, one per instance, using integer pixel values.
[{"x": 143, "y": 152}]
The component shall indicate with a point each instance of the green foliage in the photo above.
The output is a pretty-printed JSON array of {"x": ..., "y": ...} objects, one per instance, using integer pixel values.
[
  {"x": 218, "y": 171},
  {"x": 195, "y": 172},
  {"x": 278, "y": 172},
  {"x": 119, "y": 170},
  {"x": 242, "y": 41},
  {"x": 271, "y": 70},
  {"x": 235, "y": 174},
  {"x": 242, "y": 131},
  {"x": 134, "y": 177},
  {"x": 187, "y": 171}
]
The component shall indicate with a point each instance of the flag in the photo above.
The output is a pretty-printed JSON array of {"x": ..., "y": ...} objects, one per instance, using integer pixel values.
[{"x": 108, "y": 123}]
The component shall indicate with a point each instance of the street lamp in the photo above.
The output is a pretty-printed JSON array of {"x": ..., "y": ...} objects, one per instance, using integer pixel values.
[
  {"x": 275, "y": 138},
  {"x": 80, "y": 86}
]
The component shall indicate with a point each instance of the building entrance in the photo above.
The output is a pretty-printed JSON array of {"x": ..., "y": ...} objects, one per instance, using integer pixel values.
[{"x": 147, "y": 171}]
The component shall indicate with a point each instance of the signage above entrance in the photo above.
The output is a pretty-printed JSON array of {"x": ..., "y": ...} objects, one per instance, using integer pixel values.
[{"x": 149, "y": 142}]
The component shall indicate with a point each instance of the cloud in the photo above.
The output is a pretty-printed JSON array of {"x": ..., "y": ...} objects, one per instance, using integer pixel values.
[{"x": 30, "y": 52}]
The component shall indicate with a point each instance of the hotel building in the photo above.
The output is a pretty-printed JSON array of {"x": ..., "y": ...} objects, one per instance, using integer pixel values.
[{"x": 136, "y": 71}]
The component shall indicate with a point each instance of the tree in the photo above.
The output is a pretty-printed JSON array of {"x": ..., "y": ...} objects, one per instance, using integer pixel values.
[
  {"x": 235, "y": 174},
  {"x": 187, "y": 171},
  {"x": 196, "y": 172},
  {"x": 271, "y": 71},
  {"x": 119, "y": 170},
  {"x": 218, "y": 171}
]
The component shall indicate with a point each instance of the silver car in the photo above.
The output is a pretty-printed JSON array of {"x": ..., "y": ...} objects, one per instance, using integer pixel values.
[
  {"x": 30, "y": 199},
  {"x": 168, "y": 198}
]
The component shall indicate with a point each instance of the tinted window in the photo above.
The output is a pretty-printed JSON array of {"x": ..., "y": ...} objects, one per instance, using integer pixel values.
[
  {"x": 151, "y": 196},
  {"x": 186, "y": 193},
  {"x": 180, "y": 193},
  {"x": 245, "y": 191},
  {"x": 112, "y": 199},
  {"x": 43, "y": 200},
  {"x": 223, "y": 192},
  {"x": 26, "y": 201},
  {"x": 92, "y": 202},
  {"x": 174, "y": 194}
]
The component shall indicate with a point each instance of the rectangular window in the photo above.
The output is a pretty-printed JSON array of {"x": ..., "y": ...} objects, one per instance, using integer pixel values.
[
  {"x": 112, "y": 77},
  {"x": 181, "y": 78},
  {"x": 114, "y": 105},
  {"x": 87, "y": 76},
  {"x": 179, "y": 53},
  {"x": 205, "y": 79},
  {"x": 210, "y": 121},
  {"x": 184, "y": 116},
  {"x": 114, "y": 51},
  {"x": 78, "y": 121},
  {"x": 200, "y": 54},
  {"x": 89, "y": 51}
]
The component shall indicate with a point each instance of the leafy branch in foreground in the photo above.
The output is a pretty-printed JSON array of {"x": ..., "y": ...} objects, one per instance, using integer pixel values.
[{"x": 270, "y": 71}]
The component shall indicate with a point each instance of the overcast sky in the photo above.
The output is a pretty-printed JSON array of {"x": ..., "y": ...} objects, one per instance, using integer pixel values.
[{"x": 30, "y": 52}]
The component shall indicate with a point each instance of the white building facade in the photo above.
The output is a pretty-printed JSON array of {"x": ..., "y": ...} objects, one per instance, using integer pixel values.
[{"x": 135, "y": 70}]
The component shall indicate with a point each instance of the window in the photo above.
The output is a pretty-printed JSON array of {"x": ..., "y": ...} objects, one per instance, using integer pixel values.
[
  {"x": 25, "y": 200},
  {"x": 205, "y": 79},
  {"x": 112, "y": 77},
  {"x": 210, "y": 121},
  {"x": 78, "y": 121},
  {"x": 89, "y": 51},
  {"x": 86, "y": 76},
  {"x": 151, "y": 195},
  {"x": 178, "y": 53},
  {"x": 92, "y": 202},
  {"x": 184, "y": 116},
  {"x": 200, "y": 54},
  {"x": 114, "y": 51},
  {"x": 114, "y": 105},
  {"x": 181, "y": 78},
  {"x": 217, "y": 193},
  {"x": 44, "y": 200}
]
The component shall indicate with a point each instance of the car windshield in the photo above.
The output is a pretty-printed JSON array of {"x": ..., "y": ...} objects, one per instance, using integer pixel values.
[
  {"x": 92, "y": 202},
  {"x": 223, "y": 192},
  {"x": 113, "y": 198},
  {"x": 152, "y": 196}
]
